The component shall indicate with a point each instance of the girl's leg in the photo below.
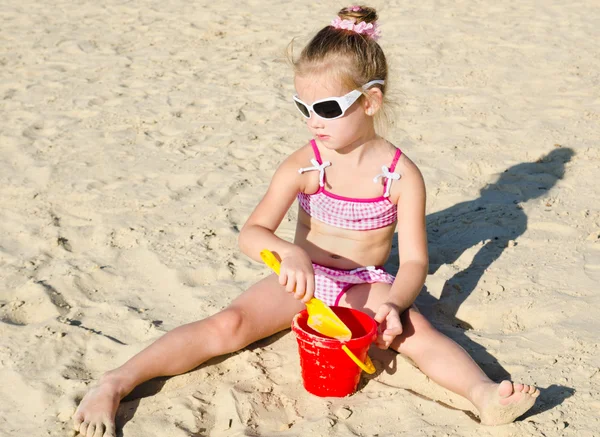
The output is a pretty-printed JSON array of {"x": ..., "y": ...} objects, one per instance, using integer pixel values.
[
  {"x": 262, "y": 310},
  {"x": 445, "y": 362}
]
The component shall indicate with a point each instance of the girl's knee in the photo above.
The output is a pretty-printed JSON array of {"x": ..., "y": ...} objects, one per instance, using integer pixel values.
[
  {"x": 417, "y": 334},
  {"x": 414, "y": 323},
  {"x": 230, "y": 320},
  {"x": 227, "y": 328}
]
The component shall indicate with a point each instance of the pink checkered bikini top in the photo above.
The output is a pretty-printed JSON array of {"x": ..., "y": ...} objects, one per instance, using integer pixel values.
[{"x": 348, "y": 212}]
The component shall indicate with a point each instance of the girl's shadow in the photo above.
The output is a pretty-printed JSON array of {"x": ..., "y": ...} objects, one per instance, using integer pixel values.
[{"x": 492, "y": 221}]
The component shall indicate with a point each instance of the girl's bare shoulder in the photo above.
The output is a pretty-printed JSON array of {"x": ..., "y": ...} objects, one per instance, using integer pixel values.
[
  {"x": 289, "y": 168},
  {"x": 411, "y": 178}
]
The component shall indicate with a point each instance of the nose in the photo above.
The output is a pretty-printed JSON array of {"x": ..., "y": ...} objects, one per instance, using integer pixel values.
[{"x": 314, "y": 122}]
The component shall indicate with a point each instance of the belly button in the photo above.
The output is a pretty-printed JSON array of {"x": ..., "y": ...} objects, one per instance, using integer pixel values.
[{"x": 334, "y": 256}]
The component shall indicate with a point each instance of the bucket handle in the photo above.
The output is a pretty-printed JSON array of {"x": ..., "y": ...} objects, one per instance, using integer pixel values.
[{"x": 367, "y": 366}]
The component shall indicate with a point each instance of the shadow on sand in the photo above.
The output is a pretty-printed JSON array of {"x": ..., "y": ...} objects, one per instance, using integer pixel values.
[{"x": 491, "y": 221}]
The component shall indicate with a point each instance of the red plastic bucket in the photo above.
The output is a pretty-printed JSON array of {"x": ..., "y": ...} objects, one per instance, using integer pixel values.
[{"x": 327, "y": 371}]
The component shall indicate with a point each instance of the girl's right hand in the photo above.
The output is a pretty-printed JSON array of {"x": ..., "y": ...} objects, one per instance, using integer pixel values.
[{"x": 297, "y": 275}]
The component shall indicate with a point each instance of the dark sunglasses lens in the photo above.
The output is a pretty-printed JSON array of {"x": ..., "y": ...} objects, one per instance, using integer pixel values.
[
  {"x": 329, "y": 109},
  {"x": 302, "y": 109}
]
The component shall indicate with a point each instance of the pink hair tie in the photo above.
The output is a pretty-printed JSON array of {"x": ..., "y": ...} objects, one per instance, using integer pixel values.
[
  {"x": 369, "y": 29},
  {"x": 354, "y": 8}
]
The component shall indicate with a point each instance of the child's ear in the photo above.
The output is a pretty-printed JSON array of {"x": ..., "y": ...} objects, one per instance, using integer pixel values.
[{"x": 373, "y": 101}]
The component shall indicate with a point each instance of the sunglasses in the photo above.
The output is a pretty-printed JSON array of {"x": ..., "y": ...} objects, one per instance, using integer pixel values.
[{"x": 332, "y": 107}]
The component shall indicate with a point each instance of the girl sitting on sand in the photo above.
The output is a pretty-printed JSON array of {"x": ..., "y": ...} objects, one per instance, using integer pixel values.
[{"x": 354, "y": 189}]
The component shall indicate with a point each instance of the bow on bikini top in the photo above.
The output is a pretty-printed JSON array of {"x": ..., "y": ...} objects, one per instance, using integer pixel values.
[{"x": 348, "y": 212}]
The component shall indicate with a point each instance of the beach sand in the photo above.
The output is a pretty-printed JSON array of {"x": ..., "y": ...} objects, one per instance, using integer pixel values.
[{"x": 138, "y": 136}]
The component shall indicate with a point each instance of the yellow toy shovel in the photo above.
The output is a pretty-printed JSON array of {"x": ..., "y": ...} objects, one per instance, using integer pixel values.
[
  {"x": 322, "y": 319},
  {"x": 320, "y": 316}
]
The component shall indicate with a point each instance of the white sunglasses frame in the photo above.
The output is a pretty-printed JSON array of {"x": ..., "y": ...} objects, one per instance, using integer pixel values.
[{"x": 345, "y": 101}]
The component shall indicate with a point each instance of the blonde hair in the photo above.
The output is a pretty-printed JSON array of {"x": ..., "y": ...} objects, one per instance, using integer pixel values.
[{"x": 353, "y": 58}]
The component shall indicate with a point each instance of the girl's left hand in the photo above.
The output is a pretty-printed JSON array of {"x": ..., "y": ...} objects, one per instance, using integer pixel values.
[{"x": 390, "y": 326}]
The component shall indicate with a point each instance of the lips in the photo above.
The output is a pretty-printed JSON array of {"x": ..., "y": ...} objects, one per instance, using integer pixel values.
[{"x": 322, "y": 137}]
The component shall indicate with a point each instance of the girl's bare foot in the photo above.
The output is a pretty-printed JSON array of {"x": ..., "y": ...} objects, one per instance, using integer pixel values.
[
  {"x": 95, "y": 416},
  {"x": 503, "y": 403}
]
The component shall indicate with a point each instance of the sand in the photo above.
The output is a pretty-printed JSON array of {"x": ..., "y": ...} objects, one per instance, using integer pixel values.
[{"x": 138, "y": 136}]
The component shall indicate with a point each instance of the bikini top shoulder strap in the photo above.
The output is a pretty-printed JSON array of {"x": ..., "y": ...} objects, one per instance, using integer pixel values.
[
  {"x": 395, "y": 160},
  {"x": 317, "y": 163},
  {"x": 389, "y": 174},
  {"x": 315, "y": 148}
]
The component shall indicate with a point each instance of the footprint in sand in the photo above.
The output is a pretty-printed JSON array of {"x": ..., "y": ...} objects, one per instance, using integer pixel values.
[
  {"x": 591, "y": 258},
  {"x": 252, "y": 407},
  {"x": 38, "y": 302}
]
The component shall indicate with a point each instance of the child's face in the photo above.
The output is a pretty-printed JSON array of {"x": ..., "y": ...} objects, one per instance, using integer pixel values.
[{"x": 355, "y": 125}]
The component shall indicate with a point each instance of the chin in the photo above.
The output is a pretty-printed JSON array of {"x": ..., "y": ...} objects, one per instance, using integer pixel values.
[{"x": 331, "y": 145}]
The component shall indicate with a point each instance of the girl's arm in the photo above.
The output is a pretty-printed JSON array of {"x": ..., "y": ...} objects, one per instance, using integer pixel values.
[
  {"x": 412, "y": 239},
  {"x": 258, "y": 232}
]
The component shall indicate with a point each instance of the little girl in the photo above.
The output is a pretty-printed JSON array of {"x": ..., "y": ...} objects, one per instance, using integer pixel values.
[{"x": 354, "y": 189}]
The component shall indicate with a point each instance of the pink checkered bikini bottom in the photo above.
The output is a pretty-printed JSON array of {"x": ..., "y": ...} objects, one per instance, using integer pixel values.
[{"x": 331, "y": 284}]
